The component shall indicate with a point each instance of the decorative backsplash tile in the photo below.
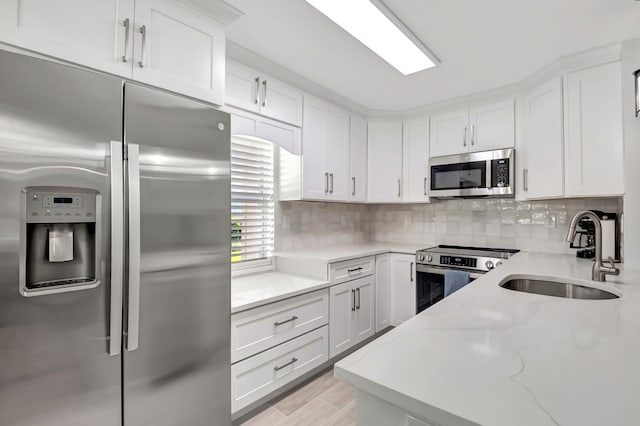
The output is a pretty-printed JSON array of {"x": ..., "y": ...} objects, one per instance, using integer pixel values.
[{"x": 538, "y": 226}]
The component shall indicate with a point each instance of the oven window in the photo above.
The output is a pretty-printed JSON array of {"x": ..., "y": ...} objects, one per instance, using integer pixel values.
[
  {"x": 429, "y": 290},
  {"x": 459, "y": 176}
]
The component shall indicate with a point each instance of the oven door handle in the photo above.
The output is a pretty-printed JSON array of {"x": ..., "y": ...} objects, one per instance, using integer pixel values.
[{"x": 440, "y": 271}]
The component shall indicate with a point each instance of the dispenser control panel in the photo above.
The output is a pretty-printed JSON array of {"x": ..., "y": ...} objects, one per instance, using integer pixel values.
[{"x": 44, "y": 206}]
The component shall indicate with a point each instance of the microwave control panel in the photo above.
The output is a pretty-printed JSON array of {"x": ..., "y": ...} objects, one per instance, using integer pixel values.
[{"x": 500, "y": 173}]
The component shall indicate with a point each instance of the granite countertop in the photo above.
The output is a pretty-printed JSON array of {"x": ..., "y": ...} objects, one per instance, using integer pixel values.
[
  {"x": 338, "y": 253},
  {"x": 491, "y": 356},
  {"x": 250, "y": 291}
]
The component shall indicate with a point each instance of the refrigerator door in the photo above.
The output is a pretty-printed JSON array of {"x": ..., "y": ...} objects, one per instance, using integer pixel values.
[
  {"x": 177, "y": 330},
  {"x": 56, "y": 125}
]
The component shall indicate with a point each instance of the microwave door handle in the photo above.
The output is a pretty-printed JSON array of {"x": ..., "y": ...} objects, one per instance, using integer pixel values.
[
  {"x": 133, "y": 299},
  {"x": 489, "y": 175},
  {"x": 117, "y": 244}
]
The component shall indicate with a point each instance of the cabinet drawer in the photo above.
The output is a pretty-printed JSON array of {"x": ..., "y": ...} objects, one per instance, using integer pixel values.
[
  {"x": 347, "y": 270},
  {"x": 262, "y": 374},
  {"x": 261, "y": 328}
]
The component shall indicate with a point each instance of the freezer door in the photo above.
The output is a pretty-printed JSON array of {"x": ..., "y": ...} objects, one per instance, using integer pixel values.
[
  {"x": 177, "y": 326},
  {"x": 56, "y": 124}
]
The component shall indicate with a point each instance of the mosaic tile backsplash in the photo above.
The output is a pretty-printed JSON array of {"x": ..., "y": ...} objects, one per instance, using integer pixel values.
[{"x": 536, "y": 226}]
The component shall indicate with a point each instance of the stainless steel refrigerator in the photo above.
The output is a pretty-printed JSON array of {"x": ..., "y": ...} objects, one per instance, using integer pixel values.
[{"x": 114, "y": 252}]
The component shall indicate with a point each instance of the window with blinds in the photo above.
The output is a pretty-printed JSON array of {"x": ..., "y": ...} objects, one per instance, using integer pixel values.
[{"x": 252, "y": 204}]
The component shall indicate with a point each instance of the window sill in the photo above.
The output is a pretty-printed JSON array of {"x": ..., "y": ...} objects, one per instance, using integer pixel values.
[{"x": 251, "y": 268}]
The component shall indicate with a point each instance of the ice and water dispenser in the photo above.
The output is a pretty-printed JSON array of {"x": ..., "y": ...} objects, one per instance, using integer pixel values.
[{"x": 60, "y": 240}]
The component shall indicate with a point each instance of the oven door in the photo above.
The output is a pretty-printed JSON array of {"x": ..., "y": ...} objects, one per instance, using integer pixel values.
[{"x": 430, "y": 285}]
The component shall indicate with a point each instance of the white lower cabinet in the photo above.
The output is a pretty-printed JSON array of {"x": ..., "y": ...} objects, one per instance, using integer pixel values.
[
  {"x": 261, "y": 328},
  {"x": 403, "y": 288},
  {"x": 351, "y": 314},
  {"x": 383, "y": 291},
  {"x": 264, "y": 373}
]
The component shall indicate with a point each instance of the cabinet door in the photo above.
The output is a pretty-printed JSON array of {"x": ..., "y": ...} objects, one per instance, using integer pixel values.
[
  {"x": 542, "y": 155},
  {"x": 594, "y": 149},
  {"x": 449, "y": 133},
  {"x": 384, "y": 144},
  {"x": 280, "y": 101},
  {"x": 341, "y": 317},
  {"x": 383, "y": 291},
  {"x": 403, "y": 295},
  {"x": 179, "y": 49},
  {"x": 242, "y": 87},
  {"x": 492, "y": 126},
  {"x": 364, "y": 324},
  {"x": 88, "y": 32},
  {"x": 315, "y": 175},
  {"x": 336, "y": 155},
  {"x": 415, "y": 152},
  {"x": 358, "y": 160}
]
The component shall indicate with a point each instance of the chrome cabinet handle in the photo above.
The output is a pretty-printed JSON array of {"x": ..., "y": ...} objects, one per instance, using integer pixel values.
[
  {"x": 353, "y": 300},
  {"x": 126, "y": 24},
  {"x": 425, "y": 185},
  {"x": 525, "y": 180},
  {"x": 326, "y": 182},
  {"x": 264, "y": 93},
  {"x": 358, "y": 293},
  {"x": 143, "y": 31},
  {"x": 411, "y": 272},
  {"x": 257, "y": 98},
  {"x": 464, "y": 139},
  {"x": 353, "y": 179},
  {"x": 117, "y": 244},
  {"x": 399, "y": 188},
  {"x": 331, "y": 186},
  {"x": 359, "y": 268},
  {"x": 133, "y": 311},
  {"x": 278, "y": 368},
  {"x": 278, "y": 323},
  {"x": 473, "y": 134}
]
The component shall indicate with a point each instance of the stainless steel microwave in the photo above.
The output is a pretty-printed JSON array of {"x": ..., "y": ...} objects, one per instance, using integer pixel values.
[{"x": 475, "y": 174}]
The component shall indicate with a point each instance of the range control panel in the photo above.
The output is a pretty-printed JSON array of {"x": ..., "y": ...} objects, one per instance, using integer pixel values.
[
  {"x": 45, "y": 206},
  {"x": 465, "y": 262}
]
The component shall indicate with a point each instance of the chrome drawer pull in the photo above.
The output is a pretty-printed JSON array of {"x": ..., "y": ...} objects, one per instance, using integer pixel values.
[
  {"x": 293, "y": 360},
  {"x": 359, "y": 268},
  {"x": 277, "y": 323}
]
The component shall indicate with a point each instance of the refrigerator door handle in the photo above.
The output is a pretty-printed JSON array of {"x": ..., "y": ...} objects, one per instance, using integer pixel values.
[
  {"x": 133, "y": 298},
  {"x": 117, "y": 243}
]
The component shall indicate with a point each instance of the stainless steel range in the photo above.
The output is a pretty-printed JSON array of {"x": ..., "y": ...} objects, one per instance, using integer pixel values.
[{"x": 432, "y": 263}]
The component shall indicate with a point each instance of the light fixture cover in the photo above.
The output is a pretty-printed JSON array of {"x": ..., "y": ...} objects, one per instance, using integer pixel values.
[{"x": 366, "y": 22}]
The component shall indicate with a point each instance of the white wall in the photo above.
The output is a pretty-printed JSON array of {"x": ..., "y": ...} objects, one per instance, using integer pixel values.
[{"x": 630, "y": 63}]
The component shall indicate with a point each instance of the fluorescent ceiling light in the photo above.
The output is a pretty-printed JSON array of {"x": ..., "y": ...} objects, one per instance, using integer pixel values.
[{"x": 373, "y": 28}]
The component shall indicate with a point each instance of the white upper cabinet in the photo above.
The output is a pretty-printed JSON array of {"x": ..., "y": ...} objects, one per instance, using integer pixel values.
[
  {"x": 325, "y": 151},
  {"x": 168, "y": 45},
  {"x": 253, "y": 91},
  {"x": 594, "y": 142},
  {"x": 179, "y": 49},
  {"x": 492, "y": 126},
  {"x": 358, "y": 160},
  {"x": 449, "y": 133},
  {"x": 479, "y": 128},
  {"x": 541, "y": 155},
  {"x": 415, "y": 152},
  {"x": 384, "y": 182},
  {"x": 97, "y": 34}
]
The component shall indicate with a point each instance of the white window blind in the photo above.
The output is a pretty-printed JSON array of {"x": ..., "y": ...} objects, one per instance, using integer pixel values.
[{"x": 252, "y": 205}]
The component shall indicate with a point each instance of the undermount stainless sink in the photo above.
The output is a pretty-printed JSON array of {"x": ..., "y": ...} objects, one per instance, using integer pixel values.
[{"x": 557, "y": 289}]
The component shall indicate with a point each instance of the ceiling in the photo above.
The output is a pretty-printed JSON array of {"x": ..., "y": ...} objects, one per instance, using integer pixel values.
[{"x": 483, "y": 45}]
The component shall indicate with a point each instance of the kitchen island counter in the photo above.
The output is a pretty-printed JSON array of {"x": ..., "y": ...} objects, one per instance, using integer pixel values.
[{"x": 492, "y": 356}]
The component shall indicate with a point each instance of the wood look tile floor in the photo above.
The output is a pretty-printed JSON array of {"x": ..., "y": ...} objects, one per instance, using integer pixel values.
[{"x": 323, "y": 401}]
